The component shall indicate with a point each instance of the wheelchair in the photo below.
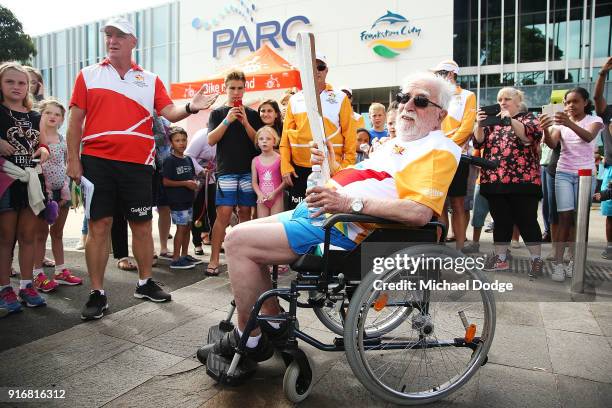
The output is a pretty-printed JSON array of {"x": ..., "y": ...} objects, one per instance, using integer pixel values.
[{"x": 406, "y": 344}]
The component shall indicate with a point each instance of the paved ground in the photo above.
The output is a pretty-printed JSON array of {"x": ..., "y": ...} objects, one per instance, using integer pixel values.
[{"x": 550, "y": 350}]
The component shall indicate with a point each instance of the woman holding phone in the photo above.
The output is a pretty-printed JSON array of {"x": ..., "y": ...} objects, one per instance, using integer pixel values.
[{"x": 514, "y": 189}]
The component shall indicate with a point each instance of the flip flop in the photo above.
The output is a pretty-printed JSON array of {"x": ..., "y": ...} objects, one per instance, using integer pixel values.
[
  {"x": 47, "y": 263},
  {"x": 130, "y": 266},
  {"x": 212, "y": 271},
  {"x": 199, "y": 251}
]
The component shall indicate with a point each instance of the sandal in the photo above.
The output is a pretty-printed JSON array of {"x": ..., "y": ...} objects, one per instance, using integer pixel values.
[
  {"x": 212, "y": 271},
  {"x": 125, "y": 265},
  {"x": 47, "y": 263},
  {"x": 199, "y": 250},
  {"x": 205, "y": 238}
]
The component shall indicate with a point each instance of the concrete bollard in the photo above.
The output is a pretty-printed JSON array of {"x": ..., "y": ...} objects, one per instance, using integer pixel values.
[{"x": 582, "y": 228}]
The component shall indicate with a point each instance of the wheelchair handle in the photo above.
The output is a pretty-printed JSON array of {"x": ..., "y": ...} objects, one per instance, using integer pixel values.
[{"x": 479, "y": 162}]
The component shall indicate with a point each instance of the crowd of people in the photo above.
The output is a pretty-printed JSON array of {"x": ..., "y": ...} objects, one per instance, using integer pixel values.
[{"x": 254, "y": 163}]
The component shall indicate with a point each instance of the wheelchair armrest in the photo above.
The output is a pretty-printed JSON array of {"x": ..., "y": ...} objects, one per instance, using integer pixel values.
[{"x": 368, "y": 219}]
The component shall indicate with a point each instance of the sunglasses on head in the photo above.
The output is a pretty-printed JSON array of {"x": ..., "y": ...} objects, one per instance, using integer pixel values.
[
  {"x": 321, "y": 67},
  {"x": 419, "y": 100}
]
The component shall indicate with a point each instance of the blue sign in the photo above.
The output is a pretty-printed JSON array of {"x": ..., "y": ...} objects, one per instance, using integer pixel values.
[{"x": 271, "y": 31}]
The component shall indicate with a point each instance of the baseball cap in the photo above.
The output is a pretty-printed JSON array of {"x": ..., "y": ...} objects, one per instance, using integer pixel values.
[
  {"x": 446, "y": 65},
  {"x": 347, "y": 89},
  {"x": 120, "y": 24},
  {"x": 322, "y": 58}
]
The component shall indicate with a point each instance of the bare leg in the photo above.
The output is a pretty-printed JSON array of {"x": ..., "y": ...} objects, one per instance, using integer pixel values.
[
  {"x": 246, "y": 254},
  {"x": 96, "y": 250},
  {"x": 57, "y": 234},
  {"x": 163, "y": 226},
  {"x": 458, "y": 220},
  {"x": 27, "y": 225},
  {"x": 143, "y": 246},
  {"x": 224, "y": 214},
  {"x": 8, "y": 227},
  {"x": 40, "y": 243}
]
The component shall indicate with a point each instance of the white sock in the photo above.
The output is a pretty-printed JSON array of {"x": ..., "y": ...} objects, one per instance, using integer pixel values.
[
  {"x": 99, "y": 290},
  {"x": 502, "y": 257},
  {"x": 36, "y": 271},
  {"x": 142, "y": 282},
  {"x": 59, "y": 268},
  {"x": 253, "y": 341},
  {"x": 24, "y": 283},
  {"x": 276, "y": 325}
]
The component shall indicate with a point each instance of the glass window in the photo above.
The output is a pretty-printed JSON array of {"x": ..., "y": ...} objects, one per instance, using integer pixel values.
[
  {"x": 160, "y": 23},
  {"x": 161, "y": 64},
  {"x": 61, "y": 47},
  {"x": 92, "y": 43},
  {"x": 603, "y": 30},
  {"x": 44, "y": 52},
  {"x": 61, "y": 84},
  {"x": 532, "y": 42}
]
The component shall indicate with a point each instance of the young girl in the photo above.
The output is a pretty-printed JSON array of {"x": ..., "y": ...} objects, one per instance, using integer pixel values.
[
  {"x": 270, "y": 115},
  {"x": 56, "y": 183},
  {"x": 265, "y": 169},
  {"x": 20, "y": 142},
  {"x": 576, "y": 130}
]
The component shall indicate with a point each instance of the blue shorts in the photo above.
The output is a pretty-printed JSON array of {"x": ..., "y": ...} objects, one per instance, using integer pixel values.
[
  {"x": 235, "y": 189},
  {"x": 182, "y": 217},
  {"x": 606, "y": 206},
  {"x": 566, "y": 190},
  {"x": 303, "y": 237}
]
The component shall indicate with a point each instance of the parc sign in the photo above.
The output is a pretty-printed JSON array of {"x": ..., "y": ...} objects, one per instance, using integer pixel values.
[{"x": 272, "y": 31}]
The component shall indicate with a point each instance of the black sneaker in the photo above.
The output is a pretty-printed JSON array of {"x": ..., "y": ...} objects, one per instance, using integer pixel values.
[
  {"x": 537, "y": 267},
  {"x": 95, "y": 306},
  {"x": 278, "y": 337},
  {"x": 151, "y": 291},
  {"x": 226, "y": 347}
]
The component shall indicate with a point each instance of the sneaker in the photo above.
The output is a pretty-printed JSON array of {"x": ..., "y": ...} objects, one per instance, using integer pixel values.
[
  {"x": 95, "y": 306},
  {"x": 607, "y": 254},
  {"x": 558, "y": 273},
  {"x": 181, "y": 263},
  {"x": 471, "y": 248},
  {"x": 226, "y": 347},
  {"x": 278, "y": 337},
  {"x": 44, "y": 284},
  {"x": 67, "y": 278},
  {"x": 31, "y": 297},
  {"x": 490, "y": 227},
  {"x": 193, "y": 260},
  {"x": 537, "y": 265},
  {"x": 569, "y": 269},
  {"x": 9, "y": 301},
  {"x": 493, "y": 263},
  {"x": 152, "y": 291}
]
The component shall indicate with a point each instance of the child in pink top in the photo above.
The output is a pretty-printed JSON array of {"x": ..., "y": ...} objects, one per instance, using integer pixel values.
[{"x": 265, "y": 169}]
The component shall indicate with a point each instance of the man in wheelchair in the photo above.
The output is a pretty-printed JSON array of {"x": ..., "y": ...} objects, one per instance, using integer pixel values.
[{"x": 406, "y": 180}]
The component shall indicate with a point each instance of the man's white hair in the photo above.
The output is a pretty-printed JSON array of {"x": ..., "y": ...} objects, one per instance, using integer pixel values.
[{"x": 439, "y": 86}]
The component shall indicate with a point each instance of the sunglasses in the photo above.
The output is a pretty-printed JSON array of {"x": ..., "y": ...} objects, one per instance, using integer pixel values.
[
  {"x": 419, "y": 100},
  {"x": 321, "y": 67}
]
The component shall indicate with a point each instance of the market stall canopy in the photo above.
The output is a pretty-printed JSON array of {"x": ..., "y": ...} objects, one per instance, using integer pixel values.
[{"x": 264, "y": 69}]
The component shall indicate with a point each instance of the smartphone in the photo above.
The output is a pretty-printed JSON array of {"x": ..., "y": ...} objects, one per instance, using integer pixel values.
[
  {"x": 492, "y": 111},
  {"x": 238, "y": 103}
]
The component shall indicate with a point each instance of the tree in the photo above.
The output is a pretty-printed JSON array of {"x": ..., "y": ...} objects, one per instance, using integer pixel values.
[{"x": 16, "y": 45}]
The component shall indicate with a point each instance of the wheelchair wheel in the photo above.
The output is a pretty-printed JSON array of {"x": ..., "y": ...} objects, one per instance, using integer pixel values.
[
  {"x": 331, "y": 318},
  {"x": 297, "y": 384},
  {"x": 432, "y": 352}
]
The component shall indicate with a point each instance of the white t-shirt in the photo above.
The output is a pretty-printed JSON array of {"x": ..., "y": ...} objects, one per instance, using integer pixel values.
[{"x": 577, "y": 154}]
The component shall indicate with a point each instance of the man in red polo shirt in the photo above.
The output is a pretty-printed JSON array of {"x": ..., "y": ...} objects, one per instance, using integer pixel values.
[{"x": 111, "y": 114}]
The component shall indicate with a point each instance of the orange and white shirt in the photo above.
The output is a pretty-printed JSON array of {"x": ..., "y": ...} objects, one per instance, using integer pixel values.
[
  {"x": 458, "y": 125},
  {"x": 337, "y": 121},
  {"x": 119, "y": 111},
  {"x": 420, "y": 170}
]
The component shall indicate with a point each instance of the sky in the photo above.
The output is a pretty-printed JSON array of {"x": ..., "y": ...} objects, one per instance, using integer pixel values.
[{"x": 40, "y": 17}]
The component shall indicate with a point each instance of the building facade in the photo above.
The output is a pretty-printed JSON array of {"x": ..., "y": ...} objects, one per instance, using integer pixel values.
[{"x": 537, "y": 45}]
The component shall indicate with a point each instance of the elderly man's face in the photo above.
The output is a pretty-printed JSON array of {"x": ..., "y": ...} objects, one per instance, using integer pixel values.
[
  {"x": 119, "y": 44},
  {"x": 414, "y": 122}
]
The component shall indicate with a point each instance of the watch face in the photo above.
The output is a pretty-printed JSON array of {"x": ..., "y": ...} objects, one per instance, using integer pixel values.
[{"x": 357, "y": 205}]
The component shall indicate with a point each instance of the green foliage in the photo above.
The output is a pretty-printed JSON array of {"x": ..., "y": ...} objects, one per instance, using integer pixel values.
[{"x": 15, "y": 44}]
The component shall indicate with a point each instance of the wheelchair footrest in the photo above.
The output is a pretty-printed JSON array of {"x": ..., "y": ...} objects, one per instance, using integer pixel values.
[
  {"x": 217, "y": 367},
  {"x": 217, "y": 331}
]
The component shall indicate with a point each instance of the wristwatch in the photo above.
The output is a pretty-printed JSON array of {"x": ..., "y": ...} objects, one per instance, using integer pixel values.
[{"x": 357, "y": 205}]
